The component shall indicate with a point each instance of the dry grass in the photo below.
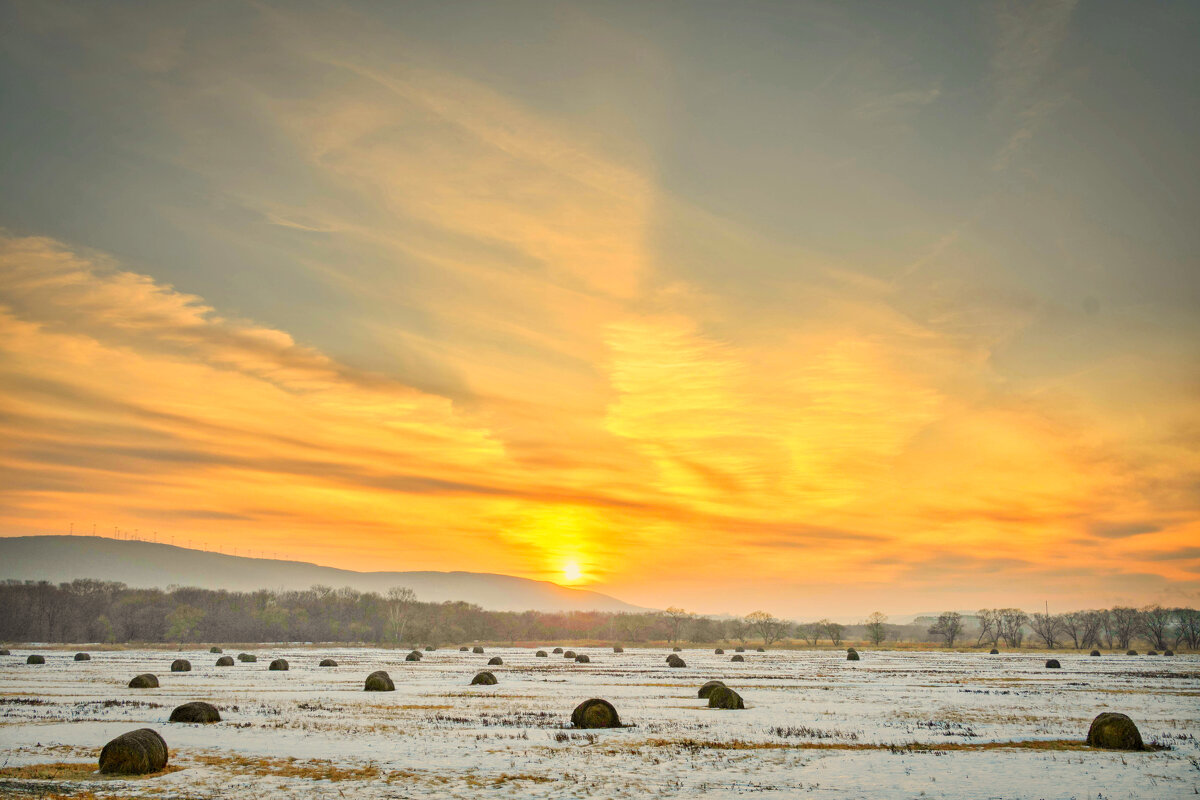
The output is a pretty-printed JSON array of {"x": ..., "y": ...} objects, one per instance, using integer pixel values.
[
  {"x": 907, "y": 747},
  {"x": 71, "y": 771}
]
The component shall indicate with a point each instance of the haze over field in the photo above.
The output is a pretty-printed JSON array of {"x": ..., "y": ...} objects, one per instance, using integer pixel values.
[{"x": 818, "y": 310}]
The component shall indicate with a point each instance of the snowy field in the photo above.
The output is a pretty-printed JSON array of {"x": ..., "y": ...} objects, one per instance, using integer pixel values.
[{"x": 893, "y": 725}]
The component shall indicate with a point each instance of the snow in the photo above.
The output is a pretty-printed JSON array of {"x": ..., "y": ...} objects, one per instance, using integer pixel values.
[{"x": 886, "y": 718}]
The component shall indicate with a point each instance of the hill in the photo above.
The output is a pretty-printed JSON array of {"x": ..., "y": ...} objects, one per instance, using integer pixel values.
[{"x": 146, "y": 564}]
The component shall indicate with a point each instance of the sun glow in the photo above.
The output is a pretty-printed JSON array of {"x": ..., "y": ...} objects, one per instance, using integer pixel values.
[{"x": 572, "y": 572}]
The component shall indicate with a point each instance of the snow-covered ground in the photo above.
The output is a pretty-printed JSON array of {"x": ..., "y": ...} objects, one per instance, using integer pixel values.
[{"x": 893, "y": 725}]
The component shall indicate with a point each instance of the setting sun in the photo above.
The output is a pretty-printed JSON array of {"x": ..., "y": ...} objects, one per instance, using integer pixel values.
[{"x": 571, "y": 572}]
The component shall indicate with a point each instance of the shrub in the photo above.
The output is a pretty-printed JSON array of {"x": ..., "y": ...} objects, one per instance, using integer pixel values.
[
  {"x": 134, "y": 753},
  {"x": 144, "y": 681},
  {"x": 724, "y": 697},
  {"x": 595, "y": 713},
  {"x": 1114, "y": 732},
  {"x": 195, "y": 712},
  {"x": 379, "y": 681}
]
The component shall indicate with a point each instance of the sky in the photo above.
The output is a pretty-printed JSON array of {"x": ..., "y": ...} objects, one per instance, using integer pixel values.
[{"x": 812, "y": 308}]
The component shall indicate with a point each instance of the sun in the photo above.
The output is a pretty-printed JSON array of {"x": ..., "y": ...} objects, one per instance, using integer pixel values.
[{"x": 571, "y": 572}]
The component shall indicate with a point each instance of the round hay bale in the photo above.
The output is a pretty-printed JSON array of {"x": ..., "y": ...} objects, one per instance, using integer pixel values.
[
  {"x": 1168, "y": 652},
  {"x": 676, "y": 649},
  {"x": 582, "y": 658},
  {"x": 557, "y": 651},
  {"x": 4, "y": 651},
  {"x": 247, "y": 658},
  {"x": 618, "y": 649},
  {"x": 477, "y": 650},
  {"x": 739, "y": 649},
  {"x": 724, "y": 697},
  {"x": 379, "y": 681},
  {"x": 738, "y": 658},
  {"x": 852, "y": 656},
  {"x": 135, "y": 753},
  {"x": 595, "y": 713},
  {"x": 279, "y": 665},
  {"x": 181, "y": 665},
  {"x": 413, "y": 656},
  {"x": 1053, "y": 664},
  {"x": 225, "y": 661},
  {"x": 671, "y": 659},
  {"x": 678, "y": 663},
  {"x": 430, "y": 648},
  {"x": 464, "y": 649},
  {"x": 327, "y": 662},
  {"x": 495, "y": 661},
  {"x": 994, "y": 652},
  {"x": 719, "y": 652},
  {"x": 195, "y": 712},
  {"x": 36, "y": 659},
  {"x": 484, "y": 679},
  {"x": 569, "y": 654},
  {"x": 83, "y": 657},
  {"x": 1113, "y": 731},
  {"x": 762, "y": 650},
  {"x": 215, "y": 649},
  {"x": 541, "y": 654},
  {"x": 1131, "y": 652},
  {"x": 1151, "y": 652},
  {"x": 707, "y": 688},
  {"x": 851, "y": 650},
  {"x": 1094, "y": 654},
  {"x": 144, "y": 681}
]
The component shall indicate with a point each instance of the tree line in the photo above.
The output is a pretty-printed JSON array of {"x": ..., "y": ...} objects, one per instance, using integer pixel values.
[{"x": 100, "y": 611}]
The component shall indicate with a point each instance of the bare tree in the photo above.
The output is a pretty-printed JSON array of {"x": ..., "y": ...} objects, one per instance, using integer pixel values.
[
  {"x": 875, "y": 627},
  {"x": 1155, "y": 622},
  {"x": 1187, "y": 627},
  {"x": 399, "y": 608},
  {"x": 1012, "y": 625},
  {"x": 1047, "y": 627},
  {"x": 810, "y": 632},
  {"x": 767, "y": 626},
  {"x": 675, "y": 618},
  {"x": 1125, "y": 624},
  {"x": 989, "y": 626},
  {"x": 949, "y": 626},
  {"x": 835, "y": 631}
]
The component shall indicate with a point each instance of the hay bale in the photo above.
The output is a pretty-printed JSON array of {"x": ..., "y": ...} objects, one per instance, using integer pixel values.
[
  {"x": 582, "y": 658},
  {"x": 707, "y": 688},
  {"x": 464, "y": 649},
  {"x": 672, "y": 658},
  {"x": 1094, "y": 654},
  {"x": 724, "y": 697},
  {"x": 477, "y": 650},
  {"x": 595, "y": 713},
  {"x": 413, "y": 656},
  {"x": 1131, "y": 652},
  {"x": 569, "y": 654},
  {"x": 762, "y": 649},
  {"x": 247, "y": 658},
  {"x": 495, "y": 661},
  {"x": 541, "y": 654},
  {"x": 618, "y": 649},
  {"x": 36, "y": 659},
  {"x": 1151, "y": 652},
  {"x": 4, "y": 651},
  {"x": 739, "y": 649},
  {"x": 852, "y": 655},
  {"x": 225, "y": 661},
  {"x": 144, "y": 681},
  {"x": 379, "y": 681},
  {"x": 557, "y": 651},
  {"x": 676, "y": 649},
  {"x": 430, "y": 648},
  {"x": 719, "y": 652},
  {"x": 279, "y": 665},
  {"x": 1053, "y": 664},
  {"x": 215, "y": 649},
  {"x": 83, "y": 657},
  {"x": 1168, "y": 652},
  {"x": 134, "y": 753},
  {"x": 195, "y": 712},
  {"x": 181, "y": 665},
  {"x": 1113, "y": 731},
  {"x": 738, "y": 658},
  {"x": 484, "y": 679},
  {"x": 678, "y": 663},
  {"x": 327, "y": 662},
  {"x": 994, "y": 652}
]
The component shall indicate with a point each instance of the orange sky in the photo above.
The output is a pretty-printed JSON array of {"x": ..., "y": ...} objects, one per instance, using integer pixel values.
[{"x": 381, "y": 309}]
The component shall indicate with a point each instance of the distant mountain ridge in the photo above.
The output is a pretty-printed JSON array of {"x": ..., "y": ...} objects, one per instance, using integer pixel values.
[{"x": 147, "y": 565}]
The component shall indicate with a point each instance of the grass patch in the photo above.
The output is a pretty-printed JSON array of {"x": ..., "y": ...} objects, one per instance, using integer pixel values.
[{"x": 71, "y": 771}]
